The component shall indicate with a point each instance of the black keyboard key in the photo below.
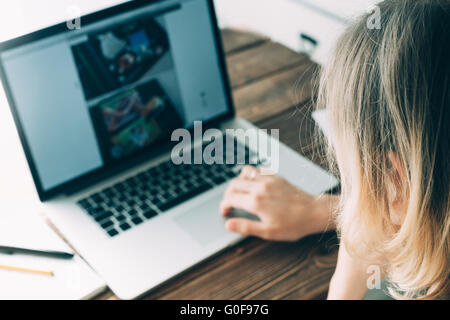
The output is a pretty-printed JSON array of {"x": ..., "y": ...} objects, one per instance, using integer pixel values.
[
  {"x": 148, "y": 214},
  {"x": 107, "y": 224},
  {"x": 84, "y": 204},
  {"x": 196, "y": 170},
  {"x": 218, "y": 180},
  {"x": 184, "y": 197},
  {"x": 169, "y": 198},
  {"x": 177, "y": 190},
  {"x": 156, "y": 202},
  {"x": 165, "y": 194},
  {"x": 155, "y": 182},
  {"x": 108, "y": 194},
  {"x": 231, "y": 174},
  {"x": 120, "y": 217},
  {"x": 94, "y": 210},
  {"x": 108, "y": 204},
  {"x": 189, "y": 185},
  {"x": 125, "y": 226},
  {"x": 113, "y": 232},
  {"x": 186, "y": 175},
  {"x": 121, "y": 198},
  {"x": 103, "y": 216},
  {"x": 176, "y": 181},
  {"x": 132, "y": 212},
  {"x": 133, "y": 192},
  {"x": 120, "y": 187},
  {"x": 137, "y": 221},
  {"x": 97, "y": 198},
  {"x": 165, "y": 185},
  {"x": 144, "y": 187}
]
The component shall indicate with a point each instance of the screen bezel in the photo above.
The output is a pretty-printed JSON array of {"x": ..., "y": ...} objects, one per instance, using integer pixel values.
[{"x": 106, "y": 171}]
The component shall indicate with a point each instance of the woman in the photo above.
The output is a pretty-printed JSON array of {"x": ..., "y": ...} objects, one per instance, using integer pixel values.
[{"x": 388, "y": 94}]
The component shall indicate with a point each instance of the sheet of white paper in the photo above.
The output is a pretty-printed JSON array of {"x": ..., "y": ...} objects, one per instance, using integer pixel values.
[{"x": 72, "y": 280}]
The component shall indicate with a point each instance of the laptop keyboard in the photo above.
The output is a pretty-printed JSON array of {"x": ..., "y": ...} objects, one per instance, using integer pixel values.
[{"x": 152, "y": 192}]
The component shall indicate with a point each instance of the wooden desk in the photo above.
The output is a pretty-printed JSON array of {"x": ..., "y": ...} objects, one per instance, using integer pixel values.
[{"x": 272, "y": 88}]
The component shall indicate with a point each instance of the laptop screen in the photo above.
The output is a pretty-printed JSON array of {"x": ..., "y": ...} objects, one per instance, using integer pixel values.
[{"x": 95, "y": 96}]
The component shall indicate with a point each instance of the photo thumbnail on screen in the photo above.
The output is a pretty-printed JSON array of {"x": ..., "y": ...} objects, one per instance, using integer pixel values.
[
  {"x": 134, "y": 119},
  {"x": 119, "y": 56}
]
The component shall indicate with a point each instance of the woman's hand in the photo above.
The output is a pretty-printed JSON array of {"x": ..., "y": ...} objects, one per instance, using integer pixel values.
[{"x": 286, "y": 213}]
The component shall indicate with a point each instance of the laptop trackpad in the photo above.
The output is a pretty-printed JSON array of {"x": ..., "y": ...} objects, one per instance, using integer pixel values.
[{"x": 204, "y": 222}]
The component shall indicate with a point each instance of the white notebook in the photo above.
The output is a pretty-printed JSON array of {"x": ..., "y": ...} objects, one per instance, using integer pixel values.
[{"x": 72, "y": 279}]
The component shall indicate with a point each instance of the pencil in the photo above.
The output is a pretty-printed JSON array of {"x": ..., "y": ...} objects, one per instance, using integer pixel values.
[{"x": 26, "y": 270}]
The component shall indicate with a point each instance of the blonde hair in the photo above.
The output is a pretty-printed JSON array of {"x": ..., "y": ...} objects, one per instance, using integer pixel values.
[{"x": 388, "y": 91}]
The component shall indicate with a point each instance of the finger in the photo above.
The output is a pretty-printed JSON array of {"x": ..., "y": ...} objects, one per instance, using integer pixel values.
[
  {"x": 266, "y": 172},
  {"x": 236, "y": 200},
  {"x": 256, "y": 187},
  {"x": 240, "y": 185},
  {"x": 224, "y": 206},
  {"x": 246, "y": 227},
  {"x": 249, "y": 173}
]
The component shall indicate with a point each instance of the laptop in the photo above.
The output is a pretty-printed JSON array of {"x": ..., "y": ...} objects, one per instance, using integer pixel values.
[{"x": 113, "y": 114}]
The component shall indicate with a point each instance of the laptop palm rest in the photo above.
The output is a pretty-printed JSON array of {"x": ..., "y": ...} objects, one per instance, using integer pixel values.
[{"x": 204, "y": 222}]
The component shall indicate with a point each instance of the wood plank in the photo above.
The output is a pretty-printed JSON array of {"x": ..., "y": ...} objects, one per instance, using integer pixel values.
[
  {"x": 236, "y": 40},
  {"x": 259, "y": 264},
  {"x": 261, "y": 61},
  {"x": 299, "y": 131},
  {"x": 295, "y": 125},
  {"x": 306, "y": 280},
  {"x": 214, "y": 262},
  {"x": 273, "y": 95}
]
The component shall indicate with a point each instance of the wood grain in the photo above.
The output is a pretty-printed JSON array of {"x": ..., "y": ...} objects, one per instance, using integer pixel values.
[
  {"x": 236, "y": 40},
  {"x": 299, "y": 131},
  {"x": 272, "y": 88},
  {"x": 255, "y": 268},
  {"x": 260, "y": 62},
  {"x": 275, "y": 94}
]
